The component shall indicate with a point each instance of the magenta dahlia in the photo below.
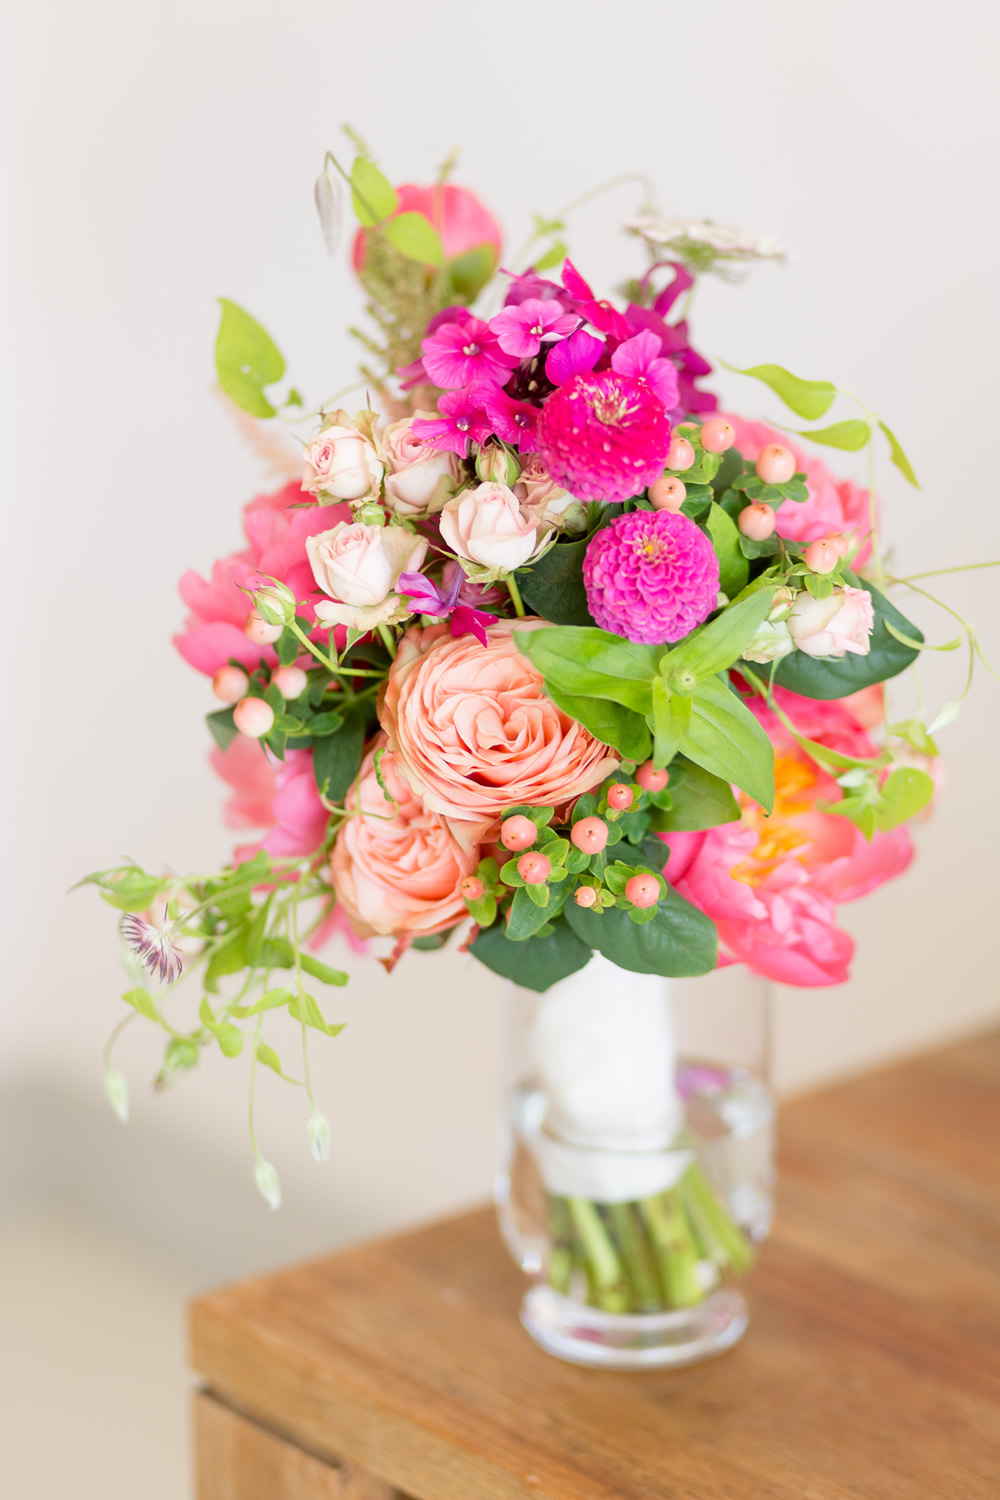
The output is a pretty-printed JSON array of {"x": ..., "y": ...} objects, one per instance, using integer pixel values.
[
  {"x": 651, "y": 576},
  {"x": 603, "y": 435}
]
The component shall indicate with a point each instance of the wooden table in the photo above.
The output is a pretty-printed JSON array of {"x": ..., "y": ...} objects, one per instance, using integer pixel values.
[{"x": 871, "y": 1369}]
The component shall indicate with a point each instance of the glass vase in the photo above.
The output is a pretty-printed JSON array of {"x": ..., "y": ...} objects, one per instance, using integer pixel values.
[{"x": 636, "y": 1174}]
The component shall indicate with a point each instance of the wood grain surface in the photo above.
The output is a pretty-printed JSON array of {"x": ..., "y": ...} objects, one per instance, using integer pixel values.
[{"x": 871, "y": 1370}]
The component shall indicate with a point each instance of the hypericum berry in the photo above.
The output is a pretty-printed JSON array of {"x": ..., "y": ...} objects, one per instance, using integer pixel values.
[
  {"x": 756, "y": 522},
  {"x": 822, "y": 556},
  {"x": 776, "y": 464},
  {"x": 620, "y": 796},
  {"x": 472, "y": 888},
  {"x": 651, "y": 780},
  {"x": 717, "y": 435},
  {"x": 667, "y": 493},
  {"x": 253, "y": 717},
  {"x": 291, "y": 682},
  {"x": 842, "y": 543},
  {"x": 517, "y": 832},
  {"x": 230, "y": 684},
  {"x": 680, "y": 454},
  {"x": 643, "y": 890},
  {"x": 259, "y": 631},
  {"x": 585, "y": 896},
  {"x": 534, "y": 868},
  {"x": 590, "y": 835}
]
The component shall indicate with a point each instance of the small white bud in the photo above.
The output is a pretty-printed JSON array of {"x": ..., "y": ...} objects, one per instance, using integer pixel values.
[
  {"x": 329, "y": 197},
  {"x": 318, "y": 1132},
  {"x": 267, "y": 1182},
  {"x": 116, "y": 1090}
]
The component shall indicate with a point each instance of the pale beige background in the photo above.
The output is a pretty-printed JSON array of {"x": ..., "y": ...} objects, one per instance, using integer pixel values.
[{"x": 158, "y": 155}]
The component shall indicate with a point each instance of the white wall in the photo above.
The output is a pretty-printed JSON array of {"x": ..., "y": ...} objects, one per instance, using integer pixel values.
[{"x": 158, "y": 155}]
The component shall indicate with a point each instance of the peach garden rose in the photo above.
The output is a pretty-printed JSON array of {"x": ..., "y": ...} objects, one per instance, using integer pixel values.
[
  {"x": 473, "y": 732},
  {"x": 396, "y": 870}
]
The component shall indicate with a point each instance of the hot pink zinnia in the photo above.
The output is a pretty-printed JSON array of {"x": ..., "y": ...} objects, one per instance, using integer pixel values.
[
  {"x": 604, "y": 436},
  {"x": 651, "y": 576}
]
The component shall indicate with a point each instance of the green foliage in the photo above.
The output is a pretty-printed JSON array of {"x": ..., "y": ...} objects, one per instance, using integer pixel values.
[
  {"x": 696, "y": 799},
  {"x": 127, "y": 888},
  {"x": 142, "y": 1001},
  {"x": 554, "y": 256},
  {"x": 905, "y": 792},
  {"x": 677, "y": 941},
  {"x": 470, "y": 272},
  {"x": 899, "y": 458},
  {"x": 304, "y": 1008},
  {"x": 851, "y": 436},
  {"x": 373, "y": 198},
  {"x": 222, "y": 726},
  {"x": 734, "y": 570},
  {"x": 725, "y": 739},
  {"x": 811, "y": 399},
  {"x": 830, "y": 677},
  {"x": 621, "y": 728},
  {"x": 553, "y": 585},
  {"x": 246, "y": 360},
  {"x": 416, "y": 238},
  {"x": 536, "y": 963},
  {"x": 337, "y": 756}
]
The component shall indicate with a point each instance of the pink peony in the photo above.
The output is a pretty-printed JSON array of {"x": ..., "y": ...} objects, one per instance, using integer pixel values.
[
  {"x": 276, "y": 527},
  {"x": 772, "y": 884},
  {"x": 834, "y": 505},
  {"x": 603, "y": 435},
  {"x": 398, "y": 868},
  {"x": 278, "y": 795},
  {"x": 651, "y": 576},
  {"x": 473, "y": 733}
]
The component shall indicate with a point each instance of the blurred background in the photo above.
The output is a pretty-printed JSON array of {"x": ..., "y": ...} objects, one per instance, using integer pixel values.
[{"x": 157, "y": 156}]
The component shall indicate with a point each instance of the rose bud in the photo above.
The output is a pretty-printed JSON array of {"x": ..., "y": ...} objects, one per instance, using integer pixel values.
[
  {"x": 230, "y": 684},
  {"x": 518, "y": 832},
  {"x": 275, "y": 604},
  {"x": 497, "y": 464},
  {"x": 253, "y": 717}
]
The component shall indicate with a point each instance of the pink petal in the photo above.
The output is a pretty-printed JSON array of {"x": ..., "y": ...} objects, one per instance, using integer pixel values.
[{"x": 574, "y": 356}]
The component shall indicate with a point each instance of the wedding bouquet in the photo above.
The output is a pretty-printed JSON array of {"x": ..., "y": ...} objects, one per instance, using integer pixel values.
[{"x": 538, "y": 652}]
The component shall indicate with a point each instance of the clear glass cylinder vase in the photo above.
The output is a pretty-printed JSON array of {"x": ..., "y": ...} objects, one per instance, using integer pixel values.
[{"x": 636, "y": 1168}]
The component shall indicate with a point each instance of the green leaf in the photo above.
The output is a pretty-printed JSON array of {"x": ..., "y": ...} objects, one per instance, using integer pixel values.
[
  {"x": 432, "y": 941},
  {"x": 621, "y": 728},
  {"x": 337, "y": 757},
  {"x": 554, "y": 256},
  {"x": 726, "y": 739},
  {"x": 142, "y": 1001},
  {"x": 229, "y": 1038},
  {"x": 850, "y": 436},
  {"x": 899, "y": 458},
  {"x": 246, "y": 360},
  {"x": 671, "y": 718},
  {"x": 287, "y": 648},
  {"x": 256, "y": 930},
  {"x": 904, "y": 793},
  {"x": 679, "y": 941},
  {"x": 272, "y": 999},
  {"x": 229, "y": 957},
  {"x": 734, "y": 570},
  {"x": 416, "y": 238},
  {"x": 916, "y": 645},
  {"x": 223, "y": 727},
  {"x": 811, "y": 399},
  {"x": 553, "y": 586},
  {"x": 714, "y": 647},
  {"x": 372, "y": 197},
  {"x": 304, "y": 1008},
  {"x": 838, "y": 677},
  {"x": 325, "y": 723},
  {"x": 593, "y": 663},
  {"x": 527, "y": 914},
  {"x": 270, "y": 1059},
  {"x": 698, "y": 800},
  {"x": 470, "y": 272},
  {"x": 133, "y": 891},
  {"x": 535, "y": 964}
]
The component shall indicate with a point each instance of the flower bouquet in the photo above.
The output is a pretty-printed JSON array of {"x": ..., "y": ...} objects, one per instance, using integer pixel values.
[{"x": 542, "y": 654}]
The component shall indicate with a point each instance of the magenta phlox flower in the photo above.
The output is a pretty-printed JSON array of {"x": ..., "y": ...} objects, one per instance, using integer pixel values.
[
  {"x": 460, "y": 353},
  {"x": 531, "y": 285},
  {"x": 524, "y": 328},
  {"x": 600, "y": 313},
  {"x": 415, "y": 373},
  {"x": 426, "y": 598},
  {"x": 574, "y": 356},
  {"x": 682, "y": 280},
  {"x": 514, "y": 421},
  {"x": 640, "y": 356},
  {"x": 463, "y": 419},
  {"x": 688, "y": 363}
]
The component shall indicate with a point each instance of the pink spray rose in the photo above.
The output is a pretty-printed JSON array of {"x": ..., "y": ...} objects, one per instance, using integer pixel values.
[
  {"x": 276, "y": 527},
  {"x": 834, "y": 505},
  {"x": 280, "y": 796},
  {"x": 342, "y": 461},
  {"x": 488, "y": 525},
  {"x": 473, "y": 733},
  {"x": 772, "y": 884},
  {"x": 833, "y": 626},
  {"x": 397, "y": 868},
  {"x": 358, "y": 566},
  {"x": 419, "y": 478}
]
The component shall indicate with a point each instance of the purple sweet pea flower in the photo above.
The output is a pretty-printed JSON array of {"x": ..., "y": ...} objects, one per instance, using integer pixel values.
[
  {"x": 523, "y": 329},
  {"x": 463, "y": 419},
  {"x": 427, "y": 599}
]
